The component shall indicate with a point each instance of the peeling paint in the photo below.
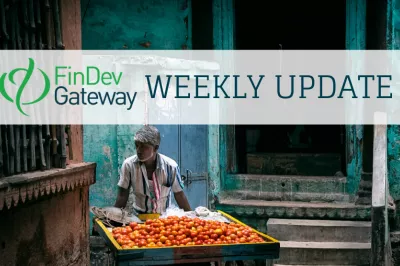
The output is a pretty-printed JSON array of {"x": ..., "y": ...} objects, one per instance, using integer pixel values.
[
  {"x": 223, "y": 39},
  {"x": 393, "y": 133},
  {"x": 355, "y": 40},
  {"x": 354, "y": 153},
  {"x": 107, "y": 152},
  {"x": 394, "y": 161}
]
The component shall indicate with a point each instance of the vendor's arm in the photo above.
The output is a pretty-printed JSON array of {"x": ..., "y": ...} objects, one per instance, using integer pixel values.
[
  {"x": 122, "y": 197},
  {"x": 182, "y": 201},
  {"x": 177, "y": 188},
  {"x": 123, "y": 186}
]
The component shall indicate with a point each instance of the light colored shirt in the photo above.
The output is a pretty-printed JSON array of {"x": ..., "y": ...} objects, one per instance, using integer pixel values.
[{"x": 151, "y": 196}]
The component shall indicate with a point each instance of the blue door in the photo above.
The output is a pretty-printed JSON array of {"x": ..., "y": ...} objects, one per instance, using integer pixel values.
[{"x": 187, "y": 145}]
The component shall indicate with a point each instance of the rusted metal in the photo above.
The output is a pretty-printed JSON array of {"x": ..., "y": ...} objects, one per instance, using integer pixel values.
[
  {"x": 32, "y": 142},
  {"x": 49, "y": 42},
  {"x": 13, "y": 28},
  {"x": 69, "y": 142},
  {"x": 57, "y": 24},
  {"x": 39, "y": 26},
  {"x": 24, "y": 24},
  {"x": 48, "y": 147},
  {"x": 25, "y": 19},
  {"x": 17, "y": 137},
  {"x": 32, "y": 26},
  {"x": 11, "y": 149},
  {"x": 24, "y": 149},
  {"x": 54, "y": 146},
  {"x": 6, "y": 154},
  {"x": 3, "y": 30},
  {"x": 38, "y": 12},
  {"x": 17, "y": 32},
  {"x": 41, "y": 148},
  {"x": 63, "y": 159}
]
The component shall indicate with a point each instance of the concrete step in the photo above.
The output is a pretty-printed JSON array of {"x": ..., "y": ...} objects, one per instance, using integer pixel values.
[
  {"x": 286, "y": 183},
  {"x": 319, "y": 230},
  {"x": 294, "y": 163},
  {"x": 286, "y": 196},
  {"x": 293, "y": 209},
  {"x": 324, "y": 253},
  {"x": 316, "y": 265}
]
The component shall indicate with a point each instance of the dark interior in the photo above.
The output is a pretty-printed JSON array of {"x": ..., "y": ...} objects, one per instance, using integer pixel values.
[
  {"x": 299, "y": 25},
  {"x": 270, "y": 25},
  {"x": 288, "y": 25}
]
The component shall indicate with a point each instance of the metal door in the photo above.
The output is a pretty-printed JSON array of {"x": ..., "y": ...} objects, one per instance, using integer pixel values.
[{"x": 187, "y": 145}]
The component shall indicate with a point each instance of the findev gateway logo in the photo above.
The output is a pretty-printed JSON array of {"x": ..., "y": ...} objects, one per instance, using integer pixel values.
[{"x": 28, "y": 74}]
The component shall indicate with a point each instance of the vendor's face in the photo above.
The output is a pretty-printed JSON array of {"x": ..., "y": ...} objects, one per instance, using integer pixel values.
[{"x": 144, "y": 151}]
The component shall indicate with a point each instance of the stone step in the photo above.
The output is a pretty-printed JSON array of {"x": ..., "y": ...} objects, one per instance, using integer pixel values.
[
  {"x": 319, "y": 230},
  {"x": 294, "y": 209},
  {"x": 286, "y": 196},
  {"x": 316, "y": 265},
  {"x": 324, "y": 253},
  {"x": 294, "y": 163},
  {"x": 288, "y": 183}
]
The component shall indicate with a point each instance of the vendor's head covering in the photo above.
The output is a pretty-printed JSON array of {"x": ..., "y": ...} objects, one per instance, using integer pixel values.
[{"x": 148, "y": 135}]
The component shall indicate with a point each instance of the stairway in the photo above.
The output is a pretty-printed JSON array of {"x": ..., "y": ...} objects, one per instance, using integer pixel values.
[
  {"x": 274, "y": 196},
  {"x": 315, "y": 220},
  {"x": 321, "y": 242},
  {"x": 302, "y": 201}
]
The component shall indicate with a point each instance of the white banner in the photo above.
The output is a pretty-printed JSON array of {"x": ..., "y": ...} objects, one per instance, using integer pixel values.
[{"x": 198, "y": 87}]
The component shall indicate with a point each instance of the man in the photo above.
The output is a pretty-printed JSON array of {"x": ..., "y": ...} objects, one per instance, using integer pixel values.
[{"x": 152, "y": 176}]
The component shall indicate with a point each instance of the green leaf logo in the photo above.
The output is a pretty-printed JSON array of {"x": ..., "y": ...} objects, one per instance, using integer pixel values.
[{"x": 21, "y": 88}]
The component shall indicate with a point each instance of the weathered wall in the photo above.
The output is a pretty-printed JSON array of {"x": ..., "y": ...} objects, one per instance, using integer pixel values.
[
  {"x": 394, "y": 161},
  {"x": 52, "y": 231},
  {"x": 118, "y": 25},
  {"x": 394, "y": 131}
]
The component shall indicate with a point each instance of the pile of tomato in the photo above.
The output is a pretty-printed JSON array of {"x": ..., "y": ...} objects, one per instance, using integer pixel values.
[{"x": 183, "y": 231}]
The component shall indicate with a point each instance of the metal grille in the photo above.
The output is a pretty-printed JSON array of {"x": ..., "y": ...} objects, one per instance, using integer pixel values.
[{"x": 31, "y": 25}]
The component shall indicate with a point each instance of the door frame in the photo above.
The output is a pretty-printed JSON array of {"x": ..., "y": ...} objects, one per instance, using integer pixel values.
[{"x": 222, "y": 151}]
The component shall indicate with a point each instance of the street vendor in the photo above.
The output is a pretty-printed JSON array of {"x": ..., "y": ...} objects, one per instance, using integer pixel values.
[{"x": 152, "y": 175}]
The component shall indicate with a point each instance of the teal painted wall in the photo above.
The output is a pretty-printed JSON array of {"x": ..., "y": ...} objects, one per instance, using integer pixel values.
[
  {"x": 394, "y": 130},
  {"x": 118, "y": 25},
  {"x": 356, "y": 18}
]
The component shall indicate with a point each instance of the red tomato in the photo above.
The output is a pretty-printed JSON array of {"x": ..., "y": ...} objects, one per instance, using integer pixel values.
[
  {"x": 133, "y": 225},
  {"x": 242, "y": 240},
  {"x": 214, "y": 236},
  {"x": 218, "y": 231}
]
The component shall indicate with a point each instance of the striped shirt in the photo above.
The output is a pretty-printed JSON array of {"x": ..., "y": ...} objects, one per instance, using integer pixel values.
[{"x": 151, "y": 196}]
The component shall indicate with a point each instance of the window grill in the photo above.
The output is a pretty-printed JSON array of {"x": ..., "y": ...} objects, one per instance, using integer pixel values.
[{"x": 31, "y": 25}]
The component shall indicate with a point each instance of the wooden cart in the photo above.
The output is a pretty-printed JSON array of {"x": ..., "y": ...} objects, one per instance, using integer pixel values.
[{"x": 261, "y": 253}]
